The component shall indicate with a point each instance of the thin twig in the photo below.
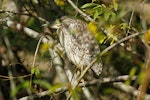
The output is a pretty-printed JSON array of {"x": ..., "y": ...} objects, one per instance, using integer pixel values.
[
  {"x": 36, "y": 51},
  {"x": 26, "y": 14},
  {"x": 5, "y": 78},
  {"x": 143, "y": 87},
  {"x": 131, "y": 20},
  {"x": 35, "y": 55},
  {"x": 101, "y": 54},
  {"x": 84, "y": 15},
  {"x": 87, "y": 84},
  {"x": 57, "y": 62},
  {"x": 120, "y": 41}
]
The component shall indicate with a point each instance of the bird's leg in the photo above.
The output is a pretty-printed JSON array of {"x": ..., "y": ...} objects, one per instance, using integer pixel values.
[
  {"x": 81, "y": 66},
  {"x": 60, "y": 50}
]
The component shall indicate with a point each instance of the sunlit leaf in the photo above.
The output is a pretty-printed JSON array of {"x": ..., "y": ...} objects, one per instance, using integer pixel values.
[
  {"x": 56, "y": 86},
  {"x": 87, "y": 5},
  {"x": 43, "y": 83},
  {"x": 131, "y": 74},
  {"x": 147, "y": 37},
  {"x": 44, "y": 47},
  {"x": 115, "y": 5},
  {"x": 113, "y": 14},
  {"x": 100, "y": 37},
  {"x": 133, "y": 71},
  {"x": 75, "y": 93},
  {"x": 60, "y": 2},
  {"x": 107, "y": 15},
  {"x": 15, "y": 91},
  {"x": 35, "y": 71},
  {"x": 103, "y": 5},
  {"x": 124, "y": 26},
  {"x": 96, "y": 14},
  {"x": 97, "y": 7},
  {"x": 32, "y": 70},
  {"x": 94, "y": 0},
  {"x": 141, "y": 77},
  {"x": 112, "y": 41},
  {"x": 92, "y": 27},
  {"x": 24, "y": 85},
  {"x": 109, "y": 90}
]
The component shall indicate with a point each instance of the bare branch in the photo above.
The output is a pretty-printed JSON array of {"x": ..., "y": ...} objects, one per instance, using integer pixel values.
[
  {"x": 116, "y": 81},
  {"x": 102, "y": 53},
  {"x": 84, "y": 15},
  {"x": 144, "y": 86},
  {"x": 129, "y": 89},
  {"x": 118, "y": 42},
  {"x": 57, "y": 62}
]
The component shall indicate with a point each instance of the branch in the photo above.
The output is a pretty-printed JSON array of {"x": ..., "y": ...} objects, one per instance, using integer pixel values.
[
  {"x": 130, "y": 90},
  {"x": 119, "y": 42},
  {"x": 101, "y": 54},
  {"x": 145, "y": 81},
  {"x": 126, "y": 88},
  {"x": 115, "y": 81},
  {"x": 57, "y": 62},
  {"x": 84, "y": 15}
]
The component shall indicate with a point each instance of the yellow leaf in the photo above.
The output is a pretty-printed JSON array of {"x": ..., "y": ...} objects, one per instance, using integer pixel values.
[
  {"x": 92, "y": 27},
  {"x": 44, "y": 47},
  {"x": 60, "y": 2},
  {"x": 110, "y": 29},
  {"x": 101, "y": 37},
  {"x": 147, "y": 37}
]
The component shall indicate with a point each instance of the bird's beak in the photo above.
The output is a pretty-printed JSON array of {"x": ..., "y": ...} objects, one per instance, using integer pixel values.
[{"x": 56, "y": 24}]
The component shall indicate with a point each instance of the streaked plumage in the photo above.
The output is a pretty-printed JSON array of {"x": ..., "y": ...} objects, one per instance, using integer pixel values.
[{"x": 79, "y": 44}]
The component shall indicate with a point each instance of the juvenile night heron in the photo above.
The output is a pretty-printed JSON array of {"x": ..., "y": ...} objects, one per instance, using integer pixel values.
[{"x": 79, "y": 44}]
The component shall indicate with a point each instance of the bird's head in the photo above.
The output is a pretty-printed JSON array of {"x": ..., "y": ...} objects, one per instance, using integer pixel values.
[{"x": 65, "y": 20}]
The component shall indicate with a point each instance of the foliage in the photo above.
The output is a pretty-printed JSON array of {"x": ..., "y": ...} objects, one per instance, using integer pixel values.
[
  {"x": 112, "y": 22},
  {"x": 100, "y": 10},
  {"x": 147, "y": 37}
]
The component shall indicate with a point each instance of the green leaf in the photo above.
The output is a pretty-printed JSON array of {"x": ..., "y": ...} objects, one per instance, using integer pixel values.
[
  {"x": 96, "y": 14},
  {"x": 103, "y": 5},
  {"x": 141, "y": 77},
  {"x": 93, "y": 0},
  {"x": 115, "y": 6},
  {"x": 24, "y": 85},
  {"x": 131, "y": 74},
  {"x": 133, "y": 71},
  {"x": 76, "y": 93},
  {"x": 14, "y": 92},
  {"x": 56, "y": 86},
  {"x": 124, "y": 26},
  {"x": 97, "y": 7},
  {"x": 112, "y": 41},
  {"x": 32, "y": 70},
  {"x": 47, "y": 85},
  {"x": 43, "y": 83},
  {"x": 106, "y": 16},
  {"x": 113, "y": 14},
  {"x": 100, "y": 37},
  {"x": 108, "y": 90},
  {"x": 37, "y": 72},
  {"x": 89, "y": 5}
]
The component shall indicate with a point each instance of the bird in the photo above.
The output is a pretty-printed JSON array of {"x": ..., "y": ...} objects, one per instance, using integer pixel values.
[{"x": 78, "y": 42}]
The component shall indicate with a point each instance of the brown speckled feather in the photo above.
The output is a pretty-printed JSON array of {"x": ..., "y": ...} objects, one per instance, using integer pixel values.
[{"x": 79, "y": 44}]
